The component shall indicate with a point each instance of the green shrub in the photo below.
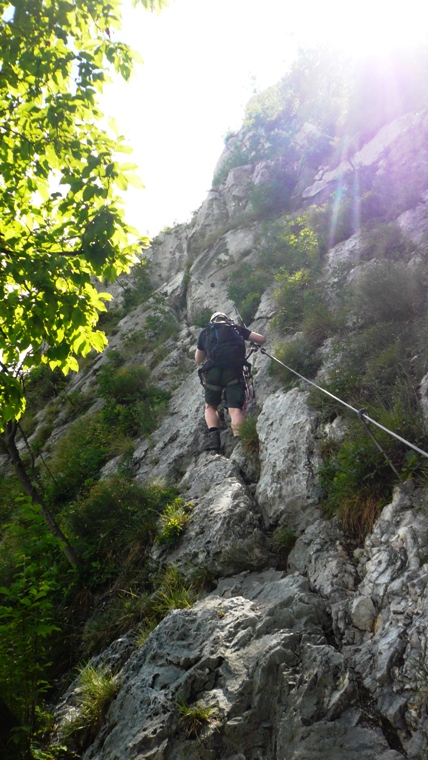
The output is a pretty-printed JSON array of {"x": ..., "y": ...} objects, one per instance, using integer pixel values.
[
  {"x": 123, "y": 384},
  {"x": 119, "y": 616},
  {"x": 115, "y": 523},
  {"x": 73, "y": 405},
  {"x": 174, "y": 519},
  {"x": 107, "y": 322},
  {"x": 384, "y": 241},
  {"x": 246, "y": 287},
  {"x": 202, "y": 318},
  {"x": 356, "y": 481},
  {"x": 300, "y": 355},
  {"x": 28, "y": 422},
  {"x": 132, "y": 402},
  {"x": 140, "y": 289},
  {"x": 143, "y": 632},
  {"x": 35, "y": 579},
  {"x": 140, "y": 609},
  {"x": 43, "y": 384},
  {"x": 43, "y": 434},
  {"x": 10, "y": 489},
  {"x": 356, "y": 476},
  {"x": 319, "y": 322},
  {"x": 77, "y": 459},
  {"x": 291, "y": 243},
  {"x": 160, "y": 329},
  {"x": 388, "y": 291},
  {"x": 136, "y": 291},
  {"x": 291, "y": 295},
  {"x": 159, "y": 326},
  {"x": 172, "y": 592},
  {"x": 275, "y": 195},
  {"x": 372, "y": 365}
]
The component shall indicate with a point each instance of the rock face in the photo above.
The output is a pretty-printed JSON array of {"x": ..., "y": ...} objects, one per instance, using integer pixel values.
[
  {"x": 286, "y": 491},
  {"x": 323, "y": 660}
]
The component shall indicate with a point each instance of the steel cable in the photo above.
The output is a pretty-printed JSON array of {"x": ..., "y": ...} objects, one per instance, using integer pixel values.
[{"x": 361, "y": 413}]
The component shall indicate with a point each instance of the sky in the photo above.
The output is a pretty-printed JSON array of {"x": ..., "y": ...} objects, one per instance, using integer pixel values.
[{"x": 203, "y": 60}]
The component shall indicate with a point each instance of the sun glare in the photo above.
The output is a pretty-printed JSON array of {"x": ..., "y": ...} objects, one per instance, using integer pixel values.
[{"x": 376, "y": 27}]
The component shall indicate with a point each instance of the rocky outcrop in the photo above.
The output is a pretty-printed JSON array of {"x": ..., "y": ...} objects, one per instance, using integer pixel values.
[
  {"x": 401, "y": 143},
  {"x": 324, "y": 659}
]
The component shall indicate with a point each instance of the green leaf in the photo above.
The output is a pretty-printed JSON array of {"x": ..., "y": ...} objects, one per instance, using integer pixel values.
[
  {"x": 135, "y": 180},
  {"x": 121, "y": 182},
  {"x": 60, "y": 224}
]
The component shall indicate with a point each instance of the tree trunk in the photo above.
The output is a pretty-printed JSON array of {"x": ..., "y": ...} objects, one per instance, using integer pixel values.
[{"x": 32, "y": 492}]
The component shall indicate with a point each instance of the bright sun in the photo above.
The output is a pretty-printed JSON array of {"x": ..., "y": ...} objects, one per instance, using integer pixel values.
[{"x": 369, "y": 27}]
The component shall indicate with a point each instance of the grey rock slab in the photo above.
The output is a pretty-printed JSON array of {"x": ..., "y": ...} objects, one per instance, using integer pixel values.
[
  {"x": 363, "y": 612},
  {"x": 234, "y": 653},
  {"x": 168, "y": 254},
  {"x": 286, "y": 491},
  {"x": 345, "y": 252},
  {"x": 370, "y": 153},
  {"x": 224, "y": 533},
  {"x": 211, "y": 270},
  {"x": 178, "y": 437},
  {"x": 319, "y": 553},
  {"x": 396, "y": 552},
  {"x": 212, "y": 216},
  {"x": 190, "y": 653},
  {"x": 284, "y": 599},
  {"x": 414, "y": 222},
  {"x": 327, "y": 740},
  {"x": 236, "y": 188}
]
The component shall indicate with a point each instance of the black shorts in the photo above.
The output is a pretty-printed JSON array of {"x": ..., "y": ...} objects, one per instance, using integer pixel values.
[{"x": 234, "y": 393}]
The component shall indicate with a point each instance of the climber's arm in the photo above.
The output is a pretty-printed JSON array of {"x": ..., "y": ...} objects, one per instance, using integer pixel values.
[
  {"x": 256, "y": 338},
  {"x": 199, "y": 356}
]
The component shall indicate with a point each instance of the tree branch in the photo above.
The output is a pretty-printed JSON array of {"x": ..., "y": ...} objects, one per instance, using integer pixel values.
[{"x": 31, "y": 491}]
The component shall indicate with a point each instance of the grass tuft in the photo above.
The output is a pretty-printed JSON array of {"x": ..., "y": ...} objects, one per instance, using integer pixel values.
[
  {"x": 193, "y": 718},
  {"x": 97, "y": 687},
  {"x": 249, "y": 436}
]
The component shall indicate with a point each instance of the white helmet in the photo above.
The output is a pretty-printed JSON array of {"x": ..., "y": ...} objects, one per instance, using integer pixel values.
[{"x": 218, "y": 316}]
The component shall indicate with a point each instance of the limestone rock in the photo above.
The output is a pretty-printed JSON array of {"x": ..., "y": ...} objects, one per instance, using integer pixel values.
[
  {"x": 286, "y": 491},
  {"x": 390, "y": 135},
  {"x": 363, "y": 612},
  {"x": 224, "y": 532},
  {"x": 414, "y": 221},
  {"x": 168, "y": 254}
]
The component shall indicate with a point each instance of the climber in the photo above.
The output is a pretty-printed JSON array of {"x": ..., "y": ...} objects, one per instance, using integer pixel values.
[{"x": 221, "y": 351}]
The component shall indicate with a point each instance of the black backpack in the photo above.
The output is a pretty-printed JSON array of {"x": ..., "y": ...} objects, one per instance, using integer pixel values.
[{"x": 224, "y": 345}]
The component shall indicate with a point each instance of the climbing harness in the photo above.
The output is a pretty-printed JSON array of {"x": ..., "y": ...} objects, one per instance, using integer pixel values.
[
  {"x": 361, "y": 413},
  {"x": 210, "y": 386}
]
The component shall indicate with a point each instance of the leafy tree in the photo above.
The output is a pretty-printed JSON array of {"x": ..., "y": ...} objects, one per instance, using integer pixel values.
[{"x": 61, "y": 221}]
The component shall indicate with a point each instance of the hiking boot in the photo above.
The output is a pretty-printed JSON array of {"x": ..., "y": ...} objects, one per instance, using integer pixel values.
[{"x": 213, "y": 441}]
